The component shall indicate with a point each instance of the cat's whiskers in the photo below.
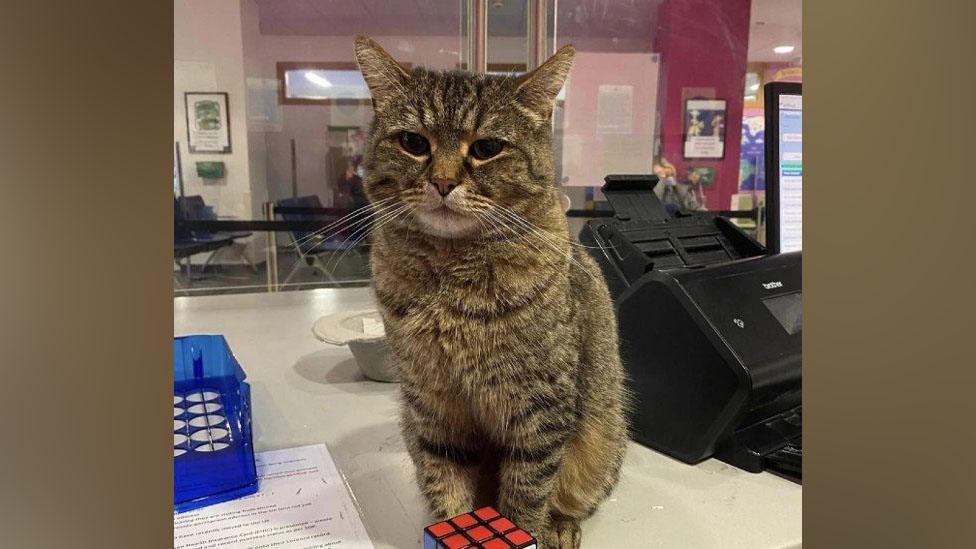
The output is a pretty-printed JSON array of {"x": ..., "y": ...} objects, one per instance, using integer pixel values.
[
  {"x": 346, "y": 218},
  {"x": 371, "y": 229},
  {"x": 478, "y": 210},
  {"x": 494, "y": 227},
  {"x": 365, "y": 231},
  {"x": 481, "y": 223},
  {"x": 520, "y": 235},
  {"x": 546, "y": 258},
  {"x": 553, "y": 244},
  {"x": 354, "y": 218},
  {"x": 531, "y": 226},
  {"x": 500, "y": 226},
  {"x": 523, "y": 237}
]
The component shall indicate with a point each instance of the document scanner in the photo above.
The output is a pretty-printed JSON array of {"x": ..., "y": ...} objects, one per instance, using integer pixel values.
[{"x": 710, "y": 331}]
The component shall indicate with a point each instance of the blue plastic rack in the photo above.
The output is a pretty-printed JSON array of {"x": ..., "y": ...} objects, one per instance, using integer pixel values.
[{"x": 213, "y": 456}]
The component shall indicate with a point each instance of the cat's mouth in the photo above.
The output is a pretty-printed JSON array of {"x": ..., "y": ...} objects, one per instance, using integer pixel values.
[
  {"x": 448, "y": 212},
  {"x": 447, "y": 222}
]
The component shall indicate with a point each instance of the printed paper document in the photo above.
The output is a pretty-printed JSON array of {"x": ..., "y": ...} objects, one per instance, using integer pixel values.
[{"x": 301, "y": 502}]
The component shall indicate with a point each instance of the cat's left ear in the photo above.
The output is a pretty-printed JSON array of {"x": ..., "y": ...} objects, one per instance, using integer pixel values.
[
  {"x": 538, "y": 89},
  {"x": 384, "y": 76}
]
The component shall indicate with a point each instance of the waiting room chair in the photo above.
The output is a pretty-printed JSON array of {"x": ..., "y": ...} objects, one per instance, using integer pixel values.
[
  {"x": 186, "y": 243},
  {"x": 319, "y": 251},
  {"x": 195, "y": 208}
]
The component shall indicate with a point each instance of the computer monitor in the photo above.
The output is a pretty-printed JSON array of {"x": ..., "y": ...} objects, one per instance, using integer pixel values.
[{"x": 784, "y": 167}]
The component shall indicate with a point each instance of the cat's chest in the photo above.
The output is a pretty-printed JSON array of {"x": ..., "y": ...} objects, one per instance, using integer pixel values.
[
  {"x": 439, "y": 326},
  {"x": 469, "y": 402},
  {"x": 446, "y": 301}
]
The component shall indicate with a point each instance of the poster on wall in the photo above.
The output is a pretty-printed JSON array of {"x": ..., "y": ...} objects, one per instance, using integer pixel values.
[
  {"x": 752, "y": 153},
  {"x": 207, "y": 122},
  {"x": 704, "y": 128}
]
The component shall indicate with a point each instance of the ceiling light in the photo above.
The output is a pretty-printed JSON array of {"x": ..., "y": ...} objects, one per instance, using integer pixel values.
[
  {"x": 784, "y": 49},
  {"x": 318, "y": 79}
]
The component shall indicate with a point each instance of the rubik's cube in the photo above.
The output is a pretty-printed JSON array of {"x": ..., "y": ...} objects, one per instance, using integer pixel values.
[{"x": 485, "y": 528}]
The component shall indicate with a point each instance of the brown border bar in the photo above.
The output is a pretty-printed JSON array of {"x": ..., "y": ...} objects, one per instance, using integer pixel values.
[
  {"x": 86, "y": 167},
  {"x": 889, "y": 373}
]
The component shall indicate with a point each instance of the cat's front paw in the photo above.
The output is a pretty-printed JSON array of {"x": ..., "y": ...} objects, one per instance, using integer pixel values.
[
  {"x": 449, "y": 507},
  {"x": 561, "y": 534}
]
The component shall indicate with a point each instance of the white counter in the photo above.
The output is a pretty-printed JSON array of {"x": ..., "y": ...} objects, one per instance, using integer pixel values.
[{"x": 306, "y": 392}]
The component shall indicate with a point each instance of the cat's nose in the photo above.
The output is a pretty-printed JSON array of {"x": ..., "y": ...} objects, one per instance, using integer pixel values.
[{"x": 443, "y": 185}]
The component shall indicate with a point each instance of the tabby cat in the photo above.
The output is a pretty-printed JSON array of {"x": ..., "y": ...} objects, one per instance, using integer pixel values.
[{"x": 502, "y": 330}]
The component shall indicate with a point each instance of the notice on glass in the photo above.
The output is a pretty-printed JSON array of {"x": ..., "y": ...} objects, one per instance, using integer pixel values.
[
  {"x": 302, "y": 502},
  {"x": 615, "y": 109}
]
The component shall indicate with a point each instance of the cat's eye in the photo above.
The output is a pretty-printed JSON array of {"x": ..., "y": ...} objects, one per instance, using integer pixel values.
[
  {"x": 414, "y": 143},
  {"x": 483, "y": 149}
]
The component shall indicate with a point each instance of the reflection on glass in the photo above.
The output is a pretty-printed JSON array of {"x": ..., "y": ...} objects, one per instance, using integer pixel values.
[
  {"x": 325, "y": 84},
  {"x": 507, "y": 39},
  {"x": 752, "y": 86},
  {"x": 606, "y": 115}
]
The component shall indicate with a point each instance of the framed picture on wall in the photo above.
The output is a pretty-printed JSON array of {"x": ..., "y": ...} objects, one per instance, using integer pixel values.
[
  {"x": 704, "y": 128},
  {"x": 207, "y": 122}
]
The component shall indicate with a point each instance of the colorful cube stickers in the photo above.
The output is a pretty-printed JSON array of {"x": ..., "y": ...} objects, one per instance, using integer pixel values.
[{"x": 485, "y": 528}]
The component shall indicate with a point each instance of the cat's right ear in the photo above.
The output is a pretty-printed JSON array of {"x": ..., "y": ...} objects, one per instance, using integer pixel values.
[{"x": 384, "y": 76}]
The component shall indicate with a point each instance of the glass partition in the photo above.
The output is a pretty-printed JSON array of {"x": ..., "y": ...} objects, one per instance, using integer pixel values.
[
  {"x": 297, "y": 116},
  {"x": 270, "y": 113}
]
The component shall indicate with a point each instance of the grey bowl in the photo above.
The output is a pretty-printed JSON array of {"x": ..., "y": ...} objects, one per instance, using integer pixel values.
[
  {"x": 371, "y": 351},
  {"x": 373, "y": 358}
]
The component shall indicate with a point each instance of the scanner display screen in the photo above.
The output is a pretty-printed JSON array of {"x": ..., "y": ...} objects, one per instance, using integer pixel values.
[{"x": 788, "y": 310}]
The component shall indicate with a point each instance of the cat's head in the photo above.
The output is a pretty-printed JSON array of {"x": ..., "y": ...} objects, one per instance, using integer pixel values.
[{"x": 457, "y": 148}]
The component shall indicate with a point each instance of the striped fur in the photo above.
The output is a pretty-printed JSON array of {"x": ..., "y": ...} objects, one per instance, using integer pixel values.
[{"x": 512, "y": 386}]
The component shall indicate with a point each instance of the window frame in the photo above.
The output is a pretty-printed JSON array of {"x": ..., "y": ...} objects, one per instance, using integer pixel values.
[{"x": 282, "y": 67}]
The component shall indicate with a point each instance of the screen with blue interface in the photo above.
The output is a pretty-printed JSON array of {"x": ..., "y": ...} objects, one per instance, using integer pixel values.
[{"x": 790, "y": 172}]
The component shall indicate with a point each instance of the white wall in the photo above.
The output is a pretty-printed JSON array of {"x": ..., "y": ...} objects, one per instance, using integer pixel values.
[{"x": 208, "y": 56}]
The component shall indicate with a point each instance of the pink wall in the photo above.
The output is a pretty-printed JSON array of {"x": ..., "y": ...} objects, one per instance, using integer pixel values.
[{"x": 703, "y": 44}]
